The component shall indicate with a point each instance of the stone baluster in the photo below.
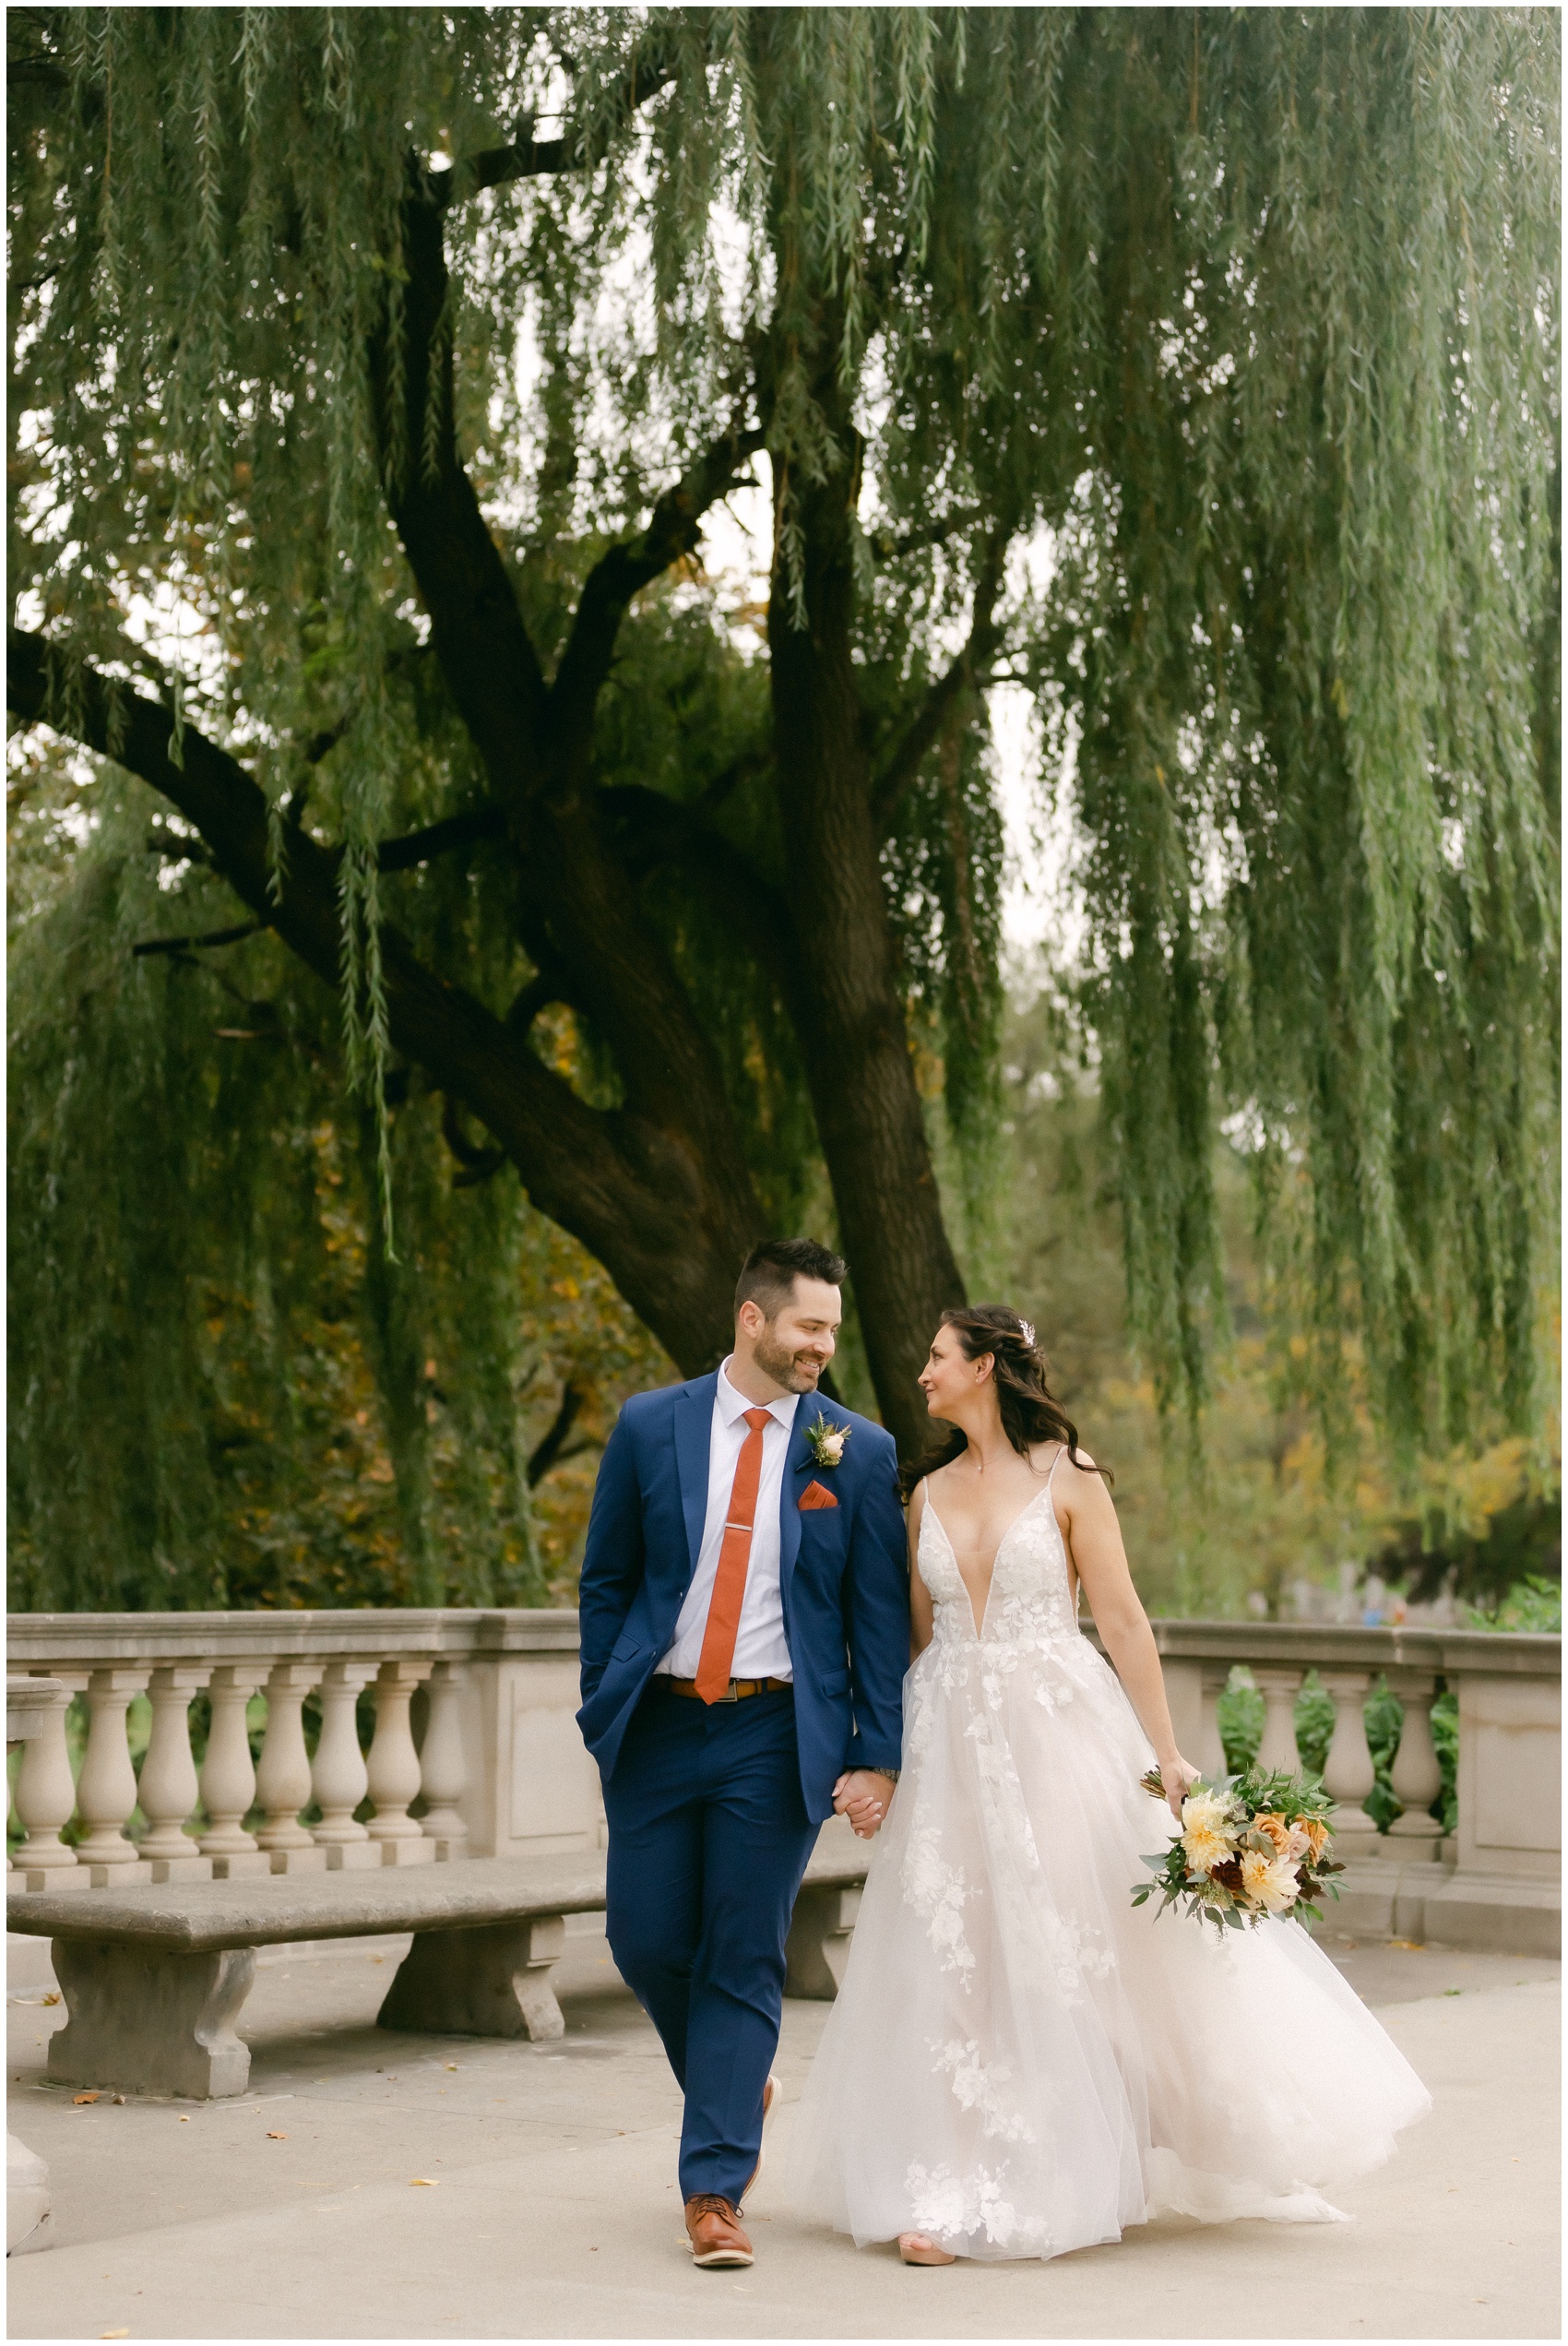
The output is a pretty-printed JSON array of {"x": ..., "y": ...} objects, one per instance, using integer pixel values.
[
  {"x": 106, "y": 1789},
  {"x": 169, "y": 1787},
  {"x": 1417, "y": 1775},
  {"x": 392, "y": 1769},
  {"x": 443, "y": 1774},
  {"x": 282, "y": 1775},
  {"x": 46, "y": 1799},
  {"x": 228, "y": 1775},
  {"x": 1278, "y": 1686},
  {"x": 1209, "y": 1755},
  {"x": 1347, "y": 1773},
  {"x": 338, "y": 1776}
]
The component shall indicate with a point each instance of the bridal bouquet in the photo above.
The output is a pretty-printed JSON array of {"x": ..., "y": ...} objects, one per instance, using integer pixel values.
[{"x": 1250, "y": 1846}]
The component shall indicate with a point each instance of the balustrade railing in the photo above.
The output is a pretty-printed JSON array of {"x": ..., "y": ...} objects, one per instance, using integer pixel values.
[
  {"x": 483, "y": 1680},
  {"x": 475, "y": 1750}
]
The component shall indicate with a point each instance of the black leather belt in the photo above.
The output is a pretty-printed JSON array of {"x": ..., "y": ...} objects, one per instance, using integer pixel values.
[{"x": 739, "y": 1688}]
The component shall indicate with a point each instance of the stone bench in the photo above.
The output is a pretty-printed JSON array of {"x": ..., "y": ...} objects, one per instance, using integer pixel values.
[{"x": 154, "y": 1977}]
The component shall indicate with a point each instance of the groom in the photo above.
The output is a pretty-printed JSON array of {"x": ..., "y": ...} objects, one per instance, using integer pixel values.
[{"x": 745, "y": 1631}]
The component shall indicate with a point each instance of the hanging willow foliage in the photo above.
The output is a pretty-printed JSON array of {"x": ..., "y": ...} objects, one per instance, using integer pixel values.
[
  {"x": 223, "y": 1390},
  {"x": 1244, "y": 320}
]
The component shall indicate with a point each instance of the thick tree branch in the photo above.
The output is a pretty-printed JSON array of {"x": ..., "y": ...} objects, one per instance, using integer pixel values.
[
  {"x": 486, "y": 655},
  {"x": 673, "y": 531},
  {"x": 923, "y": 731},
  {"x": 535, "y": 745},
  {"x": 476, "y": 1164},
  {"x": 187, "y": 944},
  {"x": 576, "y": 150},
  {"x": 548, "y": 1452},
  {"x": 888, "y": 545},
  {"x": 621, "y": 1185},
  {"x": 440, "y": 838},
  {"x": 403, "y": 855},
  {"x": 576, "y": 901}
]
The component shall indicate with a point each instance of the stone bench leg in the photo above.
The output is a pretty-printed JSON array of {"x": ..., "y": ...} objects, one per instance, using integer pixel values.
[
  {"x": 818, "y": 1946},
  {"x": 490, "y": 1981},
  {"x": 143, "y": 2021}
]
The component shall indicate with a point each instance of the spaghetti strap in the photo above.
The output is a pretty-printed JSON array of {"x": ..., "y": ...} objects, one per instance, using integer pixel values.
[{"x": 1055, "y": 1464}]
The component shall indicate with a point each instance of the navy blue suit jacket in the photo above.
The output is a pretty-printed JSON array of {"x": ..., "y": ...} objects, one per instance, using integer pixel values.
[{"x": 843, "y": 1570}]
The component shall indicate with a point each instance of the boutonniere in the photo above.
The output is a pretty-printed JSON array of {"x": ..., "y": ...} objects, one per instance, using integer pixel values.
[{"x": 827, "y": 1441}]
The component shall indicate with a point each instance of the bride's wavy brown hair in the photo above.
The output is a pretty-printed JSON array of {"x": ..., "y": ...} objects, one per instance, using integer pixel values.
[{"x": 1031, "y": 1411}]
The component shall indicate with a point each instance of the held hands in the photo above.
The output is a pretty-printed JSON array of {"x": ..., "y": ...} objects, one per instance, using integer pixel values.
[
  {"x": 1177, "y": 1775},
  {"x": 862, "y": 1796}
]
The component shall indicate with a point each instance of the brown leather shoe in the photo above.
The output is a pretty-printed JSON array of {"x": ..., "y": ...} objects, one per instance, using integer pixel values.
[{"x": 714, "y": 2231}]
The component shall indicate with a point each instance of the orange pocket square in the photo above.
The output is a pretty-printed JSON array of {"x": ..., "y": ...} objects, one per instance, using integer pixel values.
[{"x": 814, "y": 1495}]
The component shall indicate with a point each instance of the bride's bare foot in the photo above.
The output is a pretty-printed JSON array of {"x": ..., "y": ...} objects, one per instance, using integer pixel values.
[{"x": 916, "y": 2249}]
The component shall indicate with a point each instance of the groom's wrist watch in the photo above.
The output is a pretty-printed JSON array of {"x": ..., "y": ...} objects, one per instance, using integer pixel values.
[{"x": 892, "y": 1774}]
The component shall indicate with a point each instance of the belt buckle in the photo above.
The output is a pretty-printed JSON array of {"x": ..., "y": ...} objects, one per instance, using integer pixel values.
[{"x": 730, "y": 1695}]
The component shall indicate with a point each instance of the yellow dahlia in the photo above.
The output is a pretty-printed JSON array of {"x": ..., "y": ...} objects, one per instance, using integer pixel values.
[
  {"x": 1269, "y": 1882},
  {"x": 1213, "y": 1812},
  {"x": 1206, "y": 1848}
]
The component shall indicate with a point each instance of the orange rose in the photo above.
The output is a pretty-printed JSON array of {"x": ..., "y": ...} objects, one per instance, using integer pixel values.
[
  {"x": 1278, "y": 1831},
  {"x": 1316, "y": 1832}
]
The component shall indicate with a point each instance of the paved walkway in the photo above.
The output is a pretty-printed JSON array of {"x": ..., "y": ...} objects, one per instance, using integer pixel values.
[{"x": 549, "y": 2208}]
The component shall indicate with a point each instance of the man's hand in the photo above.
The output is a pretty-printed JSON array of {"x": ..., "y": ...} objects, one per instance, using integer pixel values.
[{"x": 863, "y": 1795}]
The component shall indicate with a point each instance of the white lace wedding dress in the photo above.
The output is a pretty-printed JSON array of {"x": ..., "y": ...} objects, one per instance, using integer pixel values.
[{"x": 1020, "y": 2062}]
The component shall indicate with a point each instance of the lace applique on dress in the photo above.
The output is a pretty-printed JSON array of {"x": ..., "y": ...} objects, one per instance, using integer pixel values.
[
  {"x": 1029, "y": 1608},
  {"x": 937, "y": 1893},
  {"x": 978, "y": 2086},
  {"x": 950, "y": 2206}
]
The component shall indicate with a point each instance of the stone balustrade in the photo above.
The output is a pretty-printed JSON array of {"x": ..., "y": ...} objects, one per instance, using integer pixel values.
[
  {"x": 496, "y": 1768},
  {"x": 475, "y": 1731}
]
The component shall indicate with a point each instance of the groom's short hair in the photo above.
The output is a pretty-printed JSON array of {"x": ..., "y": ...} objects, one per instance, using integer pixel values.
[{"x": 769, "y": 1272}]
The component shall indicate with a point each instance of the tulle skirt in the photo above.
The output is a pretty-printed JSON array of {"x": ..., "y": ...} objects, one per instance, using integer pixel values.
[{"x": 1022, "y": 2062}]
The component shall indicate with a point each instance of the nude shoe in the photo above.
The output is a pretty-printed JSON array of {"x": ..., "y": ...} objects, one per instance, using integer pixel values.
[
  {"x": 915, "y": 2249},
  {"x": 714, "y": 2231}
]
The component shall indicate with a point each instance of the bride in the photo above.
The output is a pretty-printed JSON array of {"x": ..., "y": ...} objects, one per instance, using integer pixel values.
[{"x": 1019, "y": 2062}]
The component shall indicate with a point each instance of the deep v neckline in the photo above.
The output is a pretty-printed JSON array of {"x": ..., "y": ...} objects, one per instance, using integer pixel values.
[{"x": 1027, "y": 1508}]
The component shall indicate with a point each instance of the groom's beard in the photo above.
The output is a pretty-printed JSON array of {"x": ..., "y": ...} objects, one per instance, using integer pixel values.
[{"x": 796, "y": 1372}]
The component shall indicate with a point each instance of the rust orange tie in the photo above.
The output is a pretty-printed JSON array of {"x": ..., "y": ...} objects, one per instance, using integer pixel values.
[{"x": 712, "y": 1680}]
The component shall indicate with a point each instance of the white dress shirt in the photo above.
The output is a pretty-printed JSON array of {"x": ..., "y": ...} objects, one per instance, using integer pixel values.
[{"x": 760, "y": 1647}]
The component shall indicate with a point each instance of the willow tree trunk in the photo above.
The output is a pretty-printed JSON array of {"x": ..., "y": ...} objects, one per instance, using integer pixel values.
[{"x": 848, "y": 1008}]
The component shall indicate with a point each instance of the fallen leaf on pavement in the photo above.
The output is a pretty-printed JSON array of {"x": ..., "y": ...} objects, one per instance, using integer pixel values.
[
  {"x": 429, "y": 2181},
  {"x": 78, "y": 2099},
  {"x": 52, "y": 1997},
  {"x": 276, "y": 2137},
  {"x": 114, "y": 2333}
]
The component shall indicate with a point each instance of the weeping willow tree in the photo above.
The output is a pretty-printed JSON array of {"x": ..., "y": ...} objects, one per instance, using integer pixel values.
[{"x": 376, "y": 376}]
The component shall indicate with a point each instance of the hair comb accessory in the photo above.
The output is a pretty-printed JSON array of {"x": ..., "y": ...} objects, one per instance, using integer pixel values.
[{"x": 1027, "y": 1333}]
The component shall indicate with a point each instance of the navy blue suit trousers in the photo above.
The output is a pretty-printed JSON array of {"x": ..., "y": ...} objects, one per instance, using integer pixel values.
[{"x": 708, "y": 1839}]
